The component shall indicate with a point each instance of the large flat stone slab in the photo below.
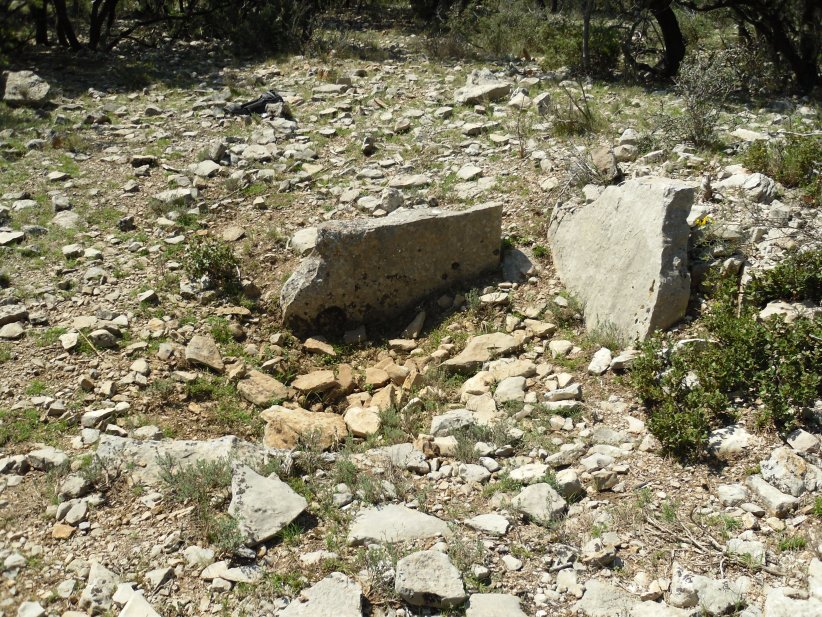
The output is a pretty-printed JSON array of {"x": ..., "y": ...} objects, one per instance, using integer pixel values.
[
  {"x": 625, "y": 255},
  {"x": 285, "y": 427},
  {"x": 373, "y": 269},
  {"x": 481, "y": 349},
  {"x": 394, "y": 523},
  {"x": 144, "y": 460}
]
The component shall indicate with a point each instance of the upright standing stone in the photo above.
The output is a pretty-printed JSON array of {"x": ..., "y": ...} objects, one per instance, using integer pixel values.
[{"x": 625, "y": 256}]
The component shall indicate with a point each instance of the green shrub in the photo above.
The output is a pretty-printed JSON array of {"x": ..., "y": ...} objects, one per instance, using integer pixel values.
[
  {"x": 796, "y": 163},
  {"x": 213, "y": 260},
  {"x": 797, "y": 278},
  {"x": 704, "y": 82},
  {"x": 743, "y": 364}
]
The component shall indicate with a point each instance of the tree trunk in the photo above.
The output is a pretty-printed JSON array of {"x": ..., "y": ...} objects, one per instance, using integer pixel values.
[
  {"x": 102, "y": 14},
  {"x": 65, "y": 31},
  {"x": 39, "y": 13},
  {"x": 775, "y": 32},
  {"x": 671, "y": 35},
  {"x": 586, "y": 35}
]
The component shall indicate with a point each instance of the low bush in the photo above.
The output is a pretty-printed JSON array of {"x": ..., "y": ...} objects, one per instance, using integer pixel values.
[
  {"x": 740, "y": 364},
  {"x": 213, "y": 262},
  {"x": 704, "y": 83},
  {"x": 796, "y": 163}
]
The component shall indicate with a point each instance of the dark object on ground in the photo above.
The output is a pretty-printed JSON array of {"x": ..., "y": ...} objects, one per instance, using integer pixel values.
[{"x": 257, "y": 106}]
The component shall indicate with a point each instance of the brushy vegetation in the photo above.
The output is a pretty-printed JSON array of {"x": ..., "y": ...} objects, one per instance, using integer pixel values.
[
  {"x": 213, "y": 262},
  {"x": 704, "y": 83},
  {"x": 205, "y": 486},
  {"x": 796, "y": 163},
  {"x": 742, "y": 365},
  {"x": 518, "y": 28}
]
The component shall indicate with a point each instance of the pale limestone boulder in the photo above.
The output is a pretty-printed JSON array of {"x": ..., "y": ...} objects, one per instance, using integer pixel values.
[
  {"x": 369, "y": 269},
  {"x": 625, "y": 256},
  {"x": 26, "y": 89}
]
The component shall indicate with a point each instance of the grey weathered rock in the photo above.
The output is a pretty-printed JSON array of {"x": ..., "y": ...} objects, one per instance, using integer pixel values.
[
  {"x": 47, "y": 458},
  {"x": 625, "y": 255},
  {"x": 492, "y": 524},
  {"x": 803, "y": 441},
  {"x": 11, "y": 313},
  {"x": 138, "y": 606},
  {"x": 376, "y": 268},
  {"x": 777, "y": 604},
  {"x": 731, "y": 494},
  {"x": 394, "y": 523},
  {"x": 451, "y": 421},
  {"x": 482, "y": 85},
  {"x": 143, "y": 458},
  {"x": 753, "y": 549},
  {"x": 198, "y": 557},
  {"x": 100, "y": 587},
  {"x": 604, "y": 600},
  {"x": 304, "y": 240},
  {"x": 262, "y": 506},
  {"x": 481, "y": 349},
  {"x": 428, "y": 578},
  {"x": 334, "y": 596},
  {"x": 26, "y": 89},
  {"x": 203, "y": 350},
  {"x": 728, "y": 442},
  {"x": 777, "y": 503},
  {"x": 601, "y": 361},
  {"x": 403, "y": 456},
  {"x": 31, "y": 609},
  {"x": 261, "y": 389},
  {"x": 815, "y": 578},
  {"x": 540, "y": 502},
  {"x": 237, "y": 574},
  {"x": 494, "y": 605},
  {"x": 790, "y": 473},
  {"x": 517, "y": 265},
  {"x": 12, "y": 331}
]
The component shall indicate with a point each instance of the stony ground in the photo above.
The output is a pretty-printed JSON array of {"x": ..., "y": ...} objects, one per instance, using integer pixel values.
[{"x": 522, "y": 470}]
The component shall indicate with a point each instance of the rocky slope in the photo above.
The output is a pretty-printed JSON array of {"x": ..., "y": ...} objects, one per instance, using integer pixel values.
[{"x": 168, "y": 450}]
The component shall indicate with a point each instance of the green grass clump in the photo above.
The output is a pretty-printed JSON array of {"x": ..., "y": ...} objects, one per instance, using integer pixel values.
[
  {"x": 792, "y": 543},
  {"x": 24, "y": 426},
  {"x": 205, "y": 485}
]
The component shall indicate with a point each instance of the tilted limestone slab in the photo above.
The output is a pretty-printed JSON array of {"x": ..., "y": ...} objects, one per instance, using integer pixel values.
[
  {"x": 625, "y": 256},
  {"x": 373, "y": 269},
  {"x": 145, "y": 460}
]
